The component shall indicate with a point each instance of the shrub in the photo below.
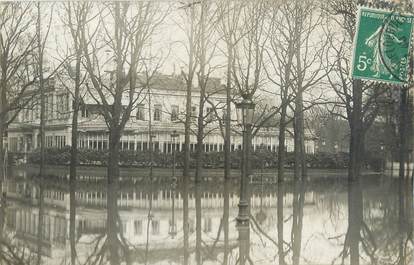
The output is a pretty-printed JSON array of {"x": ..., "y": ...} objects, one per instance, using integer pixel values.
[{"x": 259, "y": 158}]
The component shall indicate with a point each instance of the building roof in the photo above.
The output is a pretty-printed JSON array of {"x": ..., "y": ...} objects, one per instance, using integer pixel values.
[{"x": 177, "y": 82}]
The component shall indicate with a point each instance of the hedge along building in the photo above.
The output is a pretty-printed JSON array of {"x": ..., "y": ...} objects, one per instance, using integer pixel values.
[{"x": 162, "y": 101}]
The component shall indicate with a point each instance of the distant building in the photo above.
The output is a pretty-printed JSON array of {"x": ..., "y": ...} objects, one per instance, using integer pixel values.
[{"x": 167, "y": 97}]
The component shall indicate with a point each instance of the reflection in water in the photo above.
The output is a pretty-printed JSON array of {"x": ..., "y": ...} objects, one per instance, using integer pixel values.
[
  {"x": 226, "y": 216},
  {"x": 297, "y": 219},
  {"x": 291, "y": 223},
  {"x": 198, "y": 223},
  {"x": 355, "y": 221},
  {"x": 405, "y": 224},
  {"x": 280, "y": 222}
]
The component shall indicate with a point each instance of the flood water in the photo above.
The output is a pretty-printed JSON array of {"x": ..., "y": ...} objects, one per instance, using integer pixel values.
[{"x": 323, "y": 221}]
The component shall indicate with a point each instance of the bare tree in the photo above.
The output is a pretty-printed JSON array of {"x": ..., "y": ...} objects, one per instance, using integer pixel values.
[
  {"x": 74, "y": 20},
  {"x": 248, "y": 45},
  {"x": 205, "y": 50},
  {"x": 357, "y": 100},
  {"x": 308, "y": 71},
  {"x": 17, "y": 62},
  {"x": 357, "y": 103},
  {"x": 132, "y": 25},
  {"x": 42, "y": 33},
  {"x": 229, "y": 18},
  {"x": 280, "y": 56}
]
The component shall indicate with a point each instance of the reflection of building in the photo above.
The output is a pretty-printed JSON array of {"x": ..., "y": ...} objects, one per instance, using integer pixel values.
[
  {"x": 324, "y": 217},
  {"x": 133, "y": 204},
  {"x": 167, "y": 108}
]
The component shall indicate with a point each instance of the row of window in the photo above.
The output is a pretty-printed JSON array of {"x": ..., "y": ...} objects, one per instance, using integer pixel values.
[
  {"x": 61, "y": 110},
  {"x": 27, "y": 223},
  {"x": 17, "y": 144},
  {"x": 157, "y": 146},
  {"x": 53, "y": 110},
  {"x": 157, "y": 113},
  {"x": 55, "y": 141},
  {"x": 174, "y": 115}
]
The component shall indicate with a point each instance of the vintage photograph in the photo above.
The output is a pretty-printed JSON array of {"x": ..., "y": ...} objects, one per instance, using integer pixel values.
[{"x": 207, "y": 132}]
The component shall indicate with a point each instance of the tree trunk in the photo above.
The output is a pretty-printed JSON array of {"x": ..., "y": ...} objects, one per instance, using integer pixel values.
[
  {"x": 355, "y": 210},
  {"x": 42, "y": 137},
  {"x": 3, "y": 164},
  {"x": 402, "y": 133},
  {"x": 227, "y": 118},
  {"x": 297, "y": 147},
  {"x": 357, "y": 133},
  {"x": 74, "y": 161},
  {"x": 200, "y": 137},
  {"x": 112, "y": 195},
  {"x": 187, "y": 132},
  {"x": 3, "y": 116},
  {"x": 281, "y": 155}
]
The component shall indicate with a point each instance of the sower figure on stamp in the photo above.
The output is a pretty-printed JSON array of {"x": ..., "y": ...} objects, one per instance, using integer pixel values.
[{"x": 387, "y": 39}]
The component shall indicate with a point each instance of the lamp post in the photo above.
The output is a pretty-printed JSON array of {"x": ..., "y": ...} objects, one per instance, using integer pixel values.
[
  {"x": 245, "y": 114},
  {"x": 174, "y": 135}
]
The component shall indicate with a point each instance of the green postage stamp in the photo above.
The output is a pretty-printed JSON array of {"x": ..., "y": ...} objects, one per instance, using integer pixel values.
[{"x": 381, "y": 46}]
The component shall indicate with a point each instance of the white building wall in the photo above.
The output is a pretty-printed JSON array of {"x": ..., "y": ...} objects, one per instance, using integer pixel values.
[{"x": 93, "y": 129}]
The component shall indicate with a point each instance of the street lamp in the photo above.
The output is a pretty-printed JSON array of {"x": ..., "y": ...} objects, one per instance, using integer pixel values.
[
  {"x": 174, "y": 135},
  {"x": 245, "y": 115}
]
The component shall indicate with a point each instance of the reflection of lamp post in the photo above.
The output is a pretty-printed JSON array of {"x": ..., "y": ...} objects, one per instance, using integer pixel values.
[
  {"x": 261, "y": 215},
  {"x": 244, "y": 244},
  {"x": 172, "y": 231},
  {"x": 173, "y": 227},
  {"x": 245, "y": 114}
]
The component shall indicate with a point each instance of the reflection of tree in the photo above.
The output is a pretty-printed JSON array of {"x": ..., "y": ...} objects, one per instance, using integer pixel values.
[
  {"x": 198, "y": 222},
  {"x": 386, "y": 234},
  {"x": 9, "y": 252},
  {"x": 226, "y": 206},
  {"x": 358, "y": 231},
  {"x": 150, "y": 215},
  {"x": 280, "y": 240},
  {"x": 297, "y": 222},
  {"x": 355, "y": 215},
  {"x": 184, "y": 195},
  {"x": 405, "y": 228}
]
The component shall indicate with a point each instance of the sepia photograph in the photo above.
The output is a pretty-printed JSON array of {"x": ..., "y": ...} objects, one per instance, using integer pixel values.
[{"x": 207, "y": 132}]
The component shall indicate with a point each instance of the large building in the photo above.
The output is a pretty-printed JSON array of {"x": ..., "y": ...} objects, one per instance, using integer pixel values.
[{"x": 162, "y": 106}]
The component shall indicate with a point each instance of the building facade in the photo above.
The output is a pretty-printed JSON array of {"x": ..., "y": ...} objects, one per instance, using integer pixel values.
[{"x": 161, "y": 108}]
